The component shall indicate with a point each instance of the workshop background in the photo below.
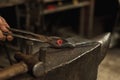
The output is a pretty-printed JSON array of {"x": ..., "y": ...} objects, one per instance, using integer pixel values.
[{"x": 87, "y": 18}]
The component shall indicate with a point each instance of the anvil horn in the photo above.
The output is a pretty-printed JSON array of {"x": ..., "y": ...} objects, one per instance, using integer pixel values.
[{"x": 104, "y": 40}]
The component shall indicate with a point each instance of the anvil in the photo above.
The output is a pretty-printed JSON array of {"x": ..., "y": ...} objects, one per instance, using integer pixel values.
[{"x": 79, "y": 63}]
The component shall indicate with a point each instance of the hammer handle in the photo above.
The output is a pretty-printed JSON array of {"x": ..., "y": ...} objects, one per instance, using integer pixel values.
[{"x": 13, "y": 70}]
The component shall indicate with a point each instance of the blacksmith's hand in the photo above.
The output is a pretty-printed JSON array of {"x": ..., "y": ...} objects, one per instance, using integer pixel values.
[{"x": 4, "y": 27}]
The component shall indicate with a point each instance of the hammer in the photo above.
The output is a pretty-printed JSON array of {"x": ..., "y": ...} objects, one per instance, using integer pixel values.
[{"x": 26, "y": 63}]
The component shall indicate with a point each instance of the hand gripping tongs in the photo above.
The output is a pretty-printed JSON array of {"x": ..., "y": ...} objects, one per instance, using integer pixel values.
[
  {"x": 22, "y": 34},
  {"x": 55, "y": 42}
]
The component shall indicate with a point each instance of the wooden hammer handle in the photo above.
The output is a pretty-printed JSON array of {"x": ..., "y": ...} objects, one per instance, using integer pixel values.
[{"x": 13, "y": 70}]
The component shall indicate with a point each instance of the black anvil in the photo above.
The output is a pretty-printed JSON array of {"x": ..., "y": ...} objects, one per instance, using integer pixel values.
[{"x": 76, "y": 63}]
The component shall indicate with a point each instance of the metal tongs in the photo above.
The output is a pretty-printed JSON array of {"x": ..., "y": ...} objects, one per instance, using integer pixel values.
[
  {"x": 55, "y": 42},
  {"x": 28, "y": 35}
]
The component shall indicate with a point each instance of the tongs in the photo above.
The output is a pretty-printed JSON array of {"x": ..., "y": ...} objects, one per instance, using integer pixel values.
[
  {"x": 28, "y": 35},
  {"x": 22, "y": 34},
  {"x": 55, "y": 42}
]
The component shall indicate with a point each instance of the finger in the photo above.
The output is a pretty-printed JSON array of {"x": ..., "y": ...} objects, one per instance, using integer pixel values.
[
  {"x": 0, "y": 20},
  {"x": 9, "y": 38},
  {"x": 3, "y": 28},
  {"x": 3, "y": 25},
  {"x": 1, "y": 35},
  {"x": 4, "y": 22}
]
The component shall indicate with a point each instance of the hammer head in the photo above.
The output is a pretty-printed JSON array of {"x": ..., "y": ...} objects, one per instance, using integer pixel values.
[{"x": 38, "y": 69}]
